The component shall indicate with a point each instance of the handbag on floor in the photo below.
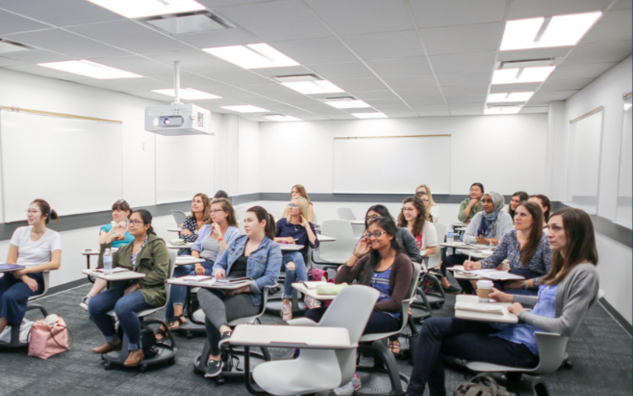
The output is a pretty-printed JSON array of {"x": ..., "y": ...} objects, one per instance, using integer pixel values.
[
  {"x": 480, "y": 385},
  {"x": 49, "y": 337}
]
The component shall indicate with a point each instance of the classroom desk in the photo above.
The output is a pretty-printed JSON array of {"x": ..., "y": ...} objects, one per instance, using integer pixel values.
[
  {"x": 187, "y": 245},
  {"x": 507, "y": 317},
  {"x": 186, "y": 260},
  {"x": 462, "y": 245},
  {"x": 458, "y": 275},
  {"x": 174, "y": 230},
  {"x": 323, "y": 238},
  {"x": 476, "y": 254},
  {"x": 119, "y": 276},
  {"x": 288, "y": 247},
  {"x": 207, "y": 284},
  {"x": 11, "y": 268},
  {"x": 357, "y": 222},
  {"x": 93, "y": 252},
  {"x": 312, "y": 292}
]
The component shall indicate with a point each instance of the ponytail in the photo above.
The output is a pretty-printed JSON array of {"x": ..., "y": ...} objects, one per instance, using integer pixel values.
[
  {"x": 262, "y": 214},
  {"x": 46, "y": 210},
  {"x": 146, "y": 216}
]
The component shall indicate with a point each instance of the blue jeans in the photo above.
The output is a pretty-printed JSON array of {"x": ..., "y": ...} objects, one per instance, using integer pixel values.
[
  {"x": 179, "y": 293},
  {"x": 125, "y": 308},
  {"x": 14, "y": 295},
  {"x": 298, "y": 274}
]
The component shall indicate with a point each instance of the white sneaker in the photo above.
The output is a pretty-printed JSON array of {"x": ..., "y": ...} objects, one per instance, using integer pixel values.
[
  {"x": 348, "y": 389},
  {"x": 286, "y": 312},
  {"x": 84, "y": 302}
]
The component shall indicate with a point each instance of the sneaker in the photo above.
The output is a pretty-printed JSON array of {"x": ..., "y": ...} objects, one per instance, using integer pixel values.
[
  {"x": 224, "y": 339},
  {"x": 84, "y": 302},
  {"x": 452, "y": 290},
  {"x": 286, "y": 312},
  {"x": 349, "y": 388},
  {"x": 214, "y": 368},
  {"x": 311, "y": 302}
]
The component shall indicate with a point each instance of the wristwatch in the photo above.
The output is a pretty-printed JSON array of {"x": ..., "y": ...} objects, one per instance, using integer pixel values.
[{"x": 525, "y": 284}]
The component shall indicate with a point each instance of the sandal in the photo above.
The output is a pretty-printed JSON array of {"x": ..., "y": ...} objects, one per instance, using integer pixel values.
[
  {"x": 394, "y": 346},
  {"x": 180, "y": 320},
  {"x": 162, "y": 333}
]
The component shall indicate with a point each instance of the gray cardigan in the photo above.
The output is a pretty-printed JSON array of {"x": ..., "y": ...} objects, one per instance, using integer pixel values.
[
  {"x": 504, "y": 224},
  {"x": 575, "y": 294}
]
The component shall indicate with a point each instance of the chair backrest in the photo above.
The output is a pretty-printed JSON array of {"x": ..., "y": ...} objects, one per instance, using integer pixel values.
[
  {"x": 551, "y": 349},
  {"x": 436, "y": 259},
  {"x": 173, "y": 254},
  {"x": 417, "y": 268},
  {"x": 343, "y": 246},
  {"x": 179, "y": 216},
  {"x": 345, "y": 213},
  {"x": 47, "y": 282},
  {"x": 240, "y": 212}
]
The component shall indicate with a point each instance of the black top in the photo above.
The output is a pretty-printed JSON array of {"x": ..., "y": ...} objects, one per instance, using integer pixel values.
[{"x": 238, "y": 269}]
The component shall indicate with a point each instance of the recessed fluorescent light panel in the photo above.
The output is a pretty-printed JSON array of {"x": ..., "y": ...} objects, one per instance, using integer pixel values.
[
  {"x": 346, "y": 103},
  {"x": 370, "y": 115},
  {"x": 187, "y": 94},
  {"x": 313, "y": 87},
  {"x": 524, "y": 75},
  {"x": 502, "y": 110},
  {"x": 509, "y": 97},
  {"x": 245, "y": 109},
  {"x": 90, "y": 69},
  {"x": 189, "y": 22},
  {"x": 145, "y": 8},
  {"x": 280, "y": 117},
  {"x": 252, "y": 56},
  {"x": 557, "y": 31}
]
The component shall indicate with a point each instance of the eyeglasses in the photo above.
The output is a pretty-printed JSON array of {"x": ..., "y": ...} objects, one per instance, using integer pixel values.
[
  {"x": 408, "y": 209},
  {"x": 216, "y": 211},
  {"x": 367, "y": 218},
  {"x": 135, "y": 223},
  {"x": 32, "y": 211},
  {"x": 375, "y": 234},
  {"x": 291, "y": 205}
]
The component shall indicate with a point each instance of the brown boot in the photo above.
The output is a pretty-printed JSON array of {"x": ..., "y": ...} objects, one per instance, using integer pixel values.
[
  {"x": 134, "y": 358},
  {"x": 108, "y": 347}
]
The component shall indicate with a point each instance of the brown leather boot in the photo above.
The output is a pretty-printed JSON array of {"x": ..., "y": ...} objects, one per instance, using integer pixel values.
[
  {"x": 108, "y": 347},
  {"x": 134, "y": 358}
]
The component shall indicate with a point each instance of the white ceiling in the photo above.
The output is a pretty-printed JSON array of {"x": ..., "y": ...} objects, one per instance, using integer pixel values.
[{"x": 406, "y": 58}]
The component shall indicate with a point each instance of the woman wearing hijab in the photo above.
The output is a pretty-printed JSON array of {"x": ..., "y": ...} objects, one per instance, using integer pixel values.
[{"x": 486, "y": 228}]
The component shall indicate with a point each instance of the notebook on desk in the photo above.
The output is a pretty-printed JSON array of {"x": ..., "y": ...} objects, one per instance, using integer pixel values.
[{"x": 10, "y": 267}]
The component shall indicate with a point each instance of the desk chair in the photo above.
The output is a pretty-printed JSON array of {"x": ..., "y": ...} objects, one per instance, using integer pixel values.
[
  {"x": 321, "y": 370},
  {"x": 179, "y": 217},
  {"x": 334, "y": 254},
  {"x": 233, "y": 358},
  {"x": 345, "y": 214},
  {"x": 165, "y": 352},
  {"x": 15, "y": 330}
]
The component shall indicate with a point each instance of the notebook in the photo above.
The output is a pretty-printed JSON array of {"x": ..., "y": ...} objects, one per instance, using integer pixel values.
[
  {"x": 10, "y": 267},
  {"x": 479, "y": 307}
]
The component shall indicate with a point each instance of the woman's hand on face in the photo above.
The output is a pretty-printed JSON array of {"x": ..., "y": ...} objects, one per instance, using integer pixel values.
[
  {"x": 363, "y": 247},
  {"x": 500, "y": 296},
  {"x": 470, "y": 265},
  {"x": 215, "y": 230},
  {"x": 219, "y": 274},
  {"x": 474, "y": 202},
  {"x": 516, "y": 309},
  {"x": 199, "y": 269},
  {"x": 185, "y": 232}
]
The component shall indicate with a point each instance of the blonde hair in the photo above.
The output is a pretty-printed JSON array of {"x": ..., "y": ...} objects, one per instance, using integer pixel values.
[
  {"x": 303, "y": 206},
  {"x": 302, "y": 191},
  {"x": 428, "y": 192},
  {"x": 206, "y": 213}
]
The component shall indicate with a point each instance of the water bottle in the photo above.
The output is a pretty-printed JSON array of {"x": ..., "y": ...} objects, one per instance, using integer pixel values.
[
  {"x": 107, "y": 262},
  {"x": 450, "y": 235}
]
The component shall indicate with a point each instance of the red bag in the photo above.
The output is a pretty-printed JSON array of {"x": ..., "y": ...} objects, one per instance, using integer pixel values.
[{"x": 49, "y": 340}]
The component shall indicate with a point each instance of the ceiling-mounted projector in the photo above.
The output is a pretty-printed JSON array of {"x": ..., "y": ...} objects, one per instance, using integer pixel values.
[{"x": 178, "y": 119}]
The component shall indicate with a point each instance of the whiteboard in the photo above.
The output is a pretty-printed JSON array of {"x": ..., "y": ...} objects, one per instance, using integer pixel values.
[
  {"x": 624, "y": 212},
  {"x": 184, "y": 167},
  {"x": 584, "y": 163},
  {"x": 73, "y": 164},
  {"x": 391, "y": 165}
]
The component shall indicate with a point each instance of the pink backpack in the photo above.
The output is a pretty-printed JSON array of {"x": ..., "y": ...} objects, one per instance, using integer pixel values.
[{"x": 49, "y": 340}]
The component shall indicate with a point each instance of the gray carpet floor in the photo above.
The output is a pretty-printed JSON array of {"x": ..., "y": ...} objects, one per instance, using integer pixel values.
[{"x": 600, "y": 352}]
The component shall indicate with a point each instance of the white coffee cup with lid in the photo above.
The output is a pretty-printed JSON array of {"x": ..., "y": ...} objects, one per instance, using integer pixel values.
[{"x": 484, "y": 287}]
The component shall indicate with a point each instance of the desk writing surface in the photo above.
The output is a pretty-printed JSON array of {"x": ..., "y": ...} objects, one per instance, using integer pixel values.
[
  {"x": 287, "y": 247},
  {"x": 174, "y": 229},
  {"x": 312, "y": 292},
  {"x": 186, "y": 260},
  {"x": 119, "y": 276},
  {"x": 323, "y": 238},
  {"x": 10, "y": 267},
  {"x": 309, "y": 337},
  {"x": 187, "y": 245},
  {"x": 207, "y": 284},
  {"x": 95, "y": 252},
  {"x": 357, "y": 222},
  {"x": 507, "y": 317}
]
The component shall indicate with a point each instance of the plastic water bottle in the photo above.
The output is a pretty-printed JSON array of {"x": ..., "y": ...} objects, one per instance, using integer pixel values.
[
  {"x": 450, "y": 234},
  {"x": 107, "y": 262}
]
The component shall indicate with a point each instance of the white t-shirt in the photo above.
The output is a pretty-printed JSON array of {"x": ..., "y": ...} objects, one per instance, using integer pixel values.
[
  {"x": 35, "y": 253},
  {"x": 435, "y": 213},
  {"x": 428, "y": 238}
]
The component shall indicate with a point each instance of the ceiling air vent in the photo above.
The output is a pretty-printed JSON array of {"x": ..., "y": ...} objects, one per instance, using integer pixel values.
[
  {"x": 297, "y": 77},
  {"x": 518, "y": 64},
  {"x": 188, "y": 22}
]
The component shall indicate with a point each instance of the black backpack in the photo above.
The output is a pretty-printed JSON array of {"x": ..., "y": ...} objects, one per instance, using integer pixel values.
[
  {"x": 481, "y": 385},
  {"x": 149, "y": 343}
]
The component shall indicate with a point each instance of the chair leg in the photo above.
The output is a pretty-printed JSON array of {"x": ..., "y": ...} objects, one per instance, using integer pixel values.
[{"x": 382, "y": 353}]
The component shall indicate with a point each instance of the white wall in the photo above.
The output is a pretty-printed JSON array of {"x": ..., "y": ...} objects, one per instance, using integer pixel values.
[
  {"x": 249, "y": 175},
  {"x": 505, "y": 153}
]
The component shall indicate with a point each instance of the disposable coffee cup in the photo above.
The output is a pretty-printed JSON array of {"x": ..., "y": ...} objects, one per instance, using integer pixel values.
[{"x": 484, "y": 287}]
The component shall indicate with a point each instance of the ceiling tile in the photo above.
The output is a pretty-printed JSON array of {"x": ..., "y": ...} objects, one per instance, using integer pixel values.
[
  {"x": 526, "y": 87},
  {"x": 471, "y": 112},
  {"x": 567, "y": 85},
  {"x": 428, "y": 100},
  {"x": 544, "y": 97},
  {"x": 433, "y": 113},
  {"x": 464, "y": 38},
  {"x": 238, "y": 77},
  {"x": 68, "y": 43},
  {"x": 388, "y": 45},
  {"x": 195, "y": 61},
  {"x": 231, "y": 92},
  {"x": 110, "y": 85},
  {"x": 465, "y": 107},
  {"x": 534, "y": 109},
  {"x": 137, "y": 64},
  {"x": 426, "y": 92},
  {"x": 190, "y": 80},
  {"x": 467, "y": 90},
  {"x": 400, "y": 67},
  {"x": 411, "y": 82},
  {"x": 11, "y": 23},
  {"x": 4, "y": 62},
  {"x": 466, "y": 99},
  {"x": 342, "y": 70},
  {"x": 369, "y": 16},
  {"x": 565, "y": 72},
  {"x": 316, "y": 51},
  {"x": 622, "y": 5},
  {"x": 441, "y": 107},
  {"x": 276, "y": 21},
  {"x": 534, "y": 8},
  {"x": 613, "y": 26},
  {"x": 152, "y": 95},
  {"x": 267, "y": 89},
  {"x": 46, "y": 72},
  {"x": 282, "y": 71},
  {"x": 463, "y": 62},
  {"x": 144, "y": 84},
  {"x": 258, "y": 100},
  {"x": 60, "y": 12},
  {"x": 610, "y": 51},
  {"x": 433, "y": 13},
  {"x": 359, "y": 84},
  {"x": 381, "y": 94},
  {"x": 385, "y": 102},
  {"x": 533, "y": 54},
  {"x": 219, "y": 38},
  {"x": 38, "y": 56},
  {"x": 131, "y": 36},
  {"x": 459, "y": 79}
]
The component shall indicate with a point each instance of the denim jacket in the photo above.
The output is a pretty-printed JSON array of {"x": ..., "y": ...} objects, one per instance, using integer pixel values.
[
  {"x": 263, "y": 264},
  {"x": 205, "y": 231}
]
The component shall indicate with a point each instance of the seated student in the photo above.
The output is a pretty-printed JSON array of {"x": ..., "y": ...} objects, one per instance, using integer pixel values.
[
  {"x": 255, "y": 254},
  {"x": 527, "y": 249},
  {"x": 221, "y": 194},
  {"x": 295, "y": 229},
  {"x": 115, "y": 233},
  {"x": 146, "y": 254},
  {"x": 516, "y": 199},
  {"x": 299, "y": 191},
  {"x": 432, "y": 209},
  {"x": 471, "y": 205},
  {"x": 211, "y": 243},
  {"x": 565, "y": 295},
  {"x": 486, "y": 227},
  {"x": 413, "y": 217},
  {"x": 542, "y": 201},
  {"x": 403, "y": 235},
  {"x": 200, "y": 215},
  {"x": 38, "y": 249}
]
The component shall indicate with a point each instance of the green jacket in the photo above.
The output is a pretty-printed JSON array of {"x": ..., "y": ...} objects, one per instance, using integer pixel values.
[
  {"x": 153, "y": 261},
  {"x": 473, "y": 211}
]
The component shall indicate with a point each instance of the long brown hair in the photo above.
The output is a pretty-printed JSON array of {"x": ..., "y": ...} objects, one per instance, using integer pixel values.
[
  {"x": 580, "y": 247},
  {"x": 523, "y": 196},
  {"x": 228, "y": 208},
  {"x": 387, "y": 224},
  {"x": 206, "y": 212},
  {"x": 536, "y": 233},
  {"x": 418, "y": 224},
  {"x": 262, "y": 214},
  {"x": 545, "y": 202},
  {"x": 302, "y": 191}
]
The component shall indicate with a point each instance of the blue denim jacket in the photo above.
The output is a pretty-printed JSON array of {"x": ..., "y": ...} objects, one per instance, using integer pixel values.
[
  {"x": 263, "y": 264},
  {"x": 205, "y": 231}
]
